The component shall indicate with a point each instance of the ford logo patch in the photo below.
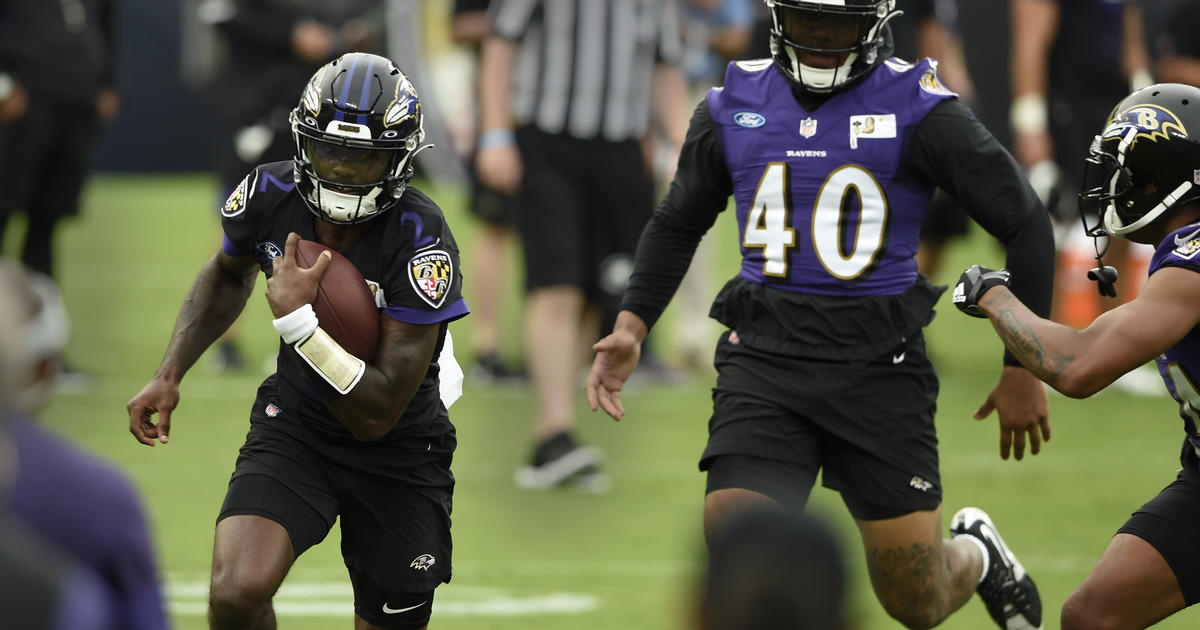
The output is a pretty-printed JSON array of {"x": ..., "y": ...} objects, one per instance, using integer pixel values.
[{"x": 749, "y": 120}]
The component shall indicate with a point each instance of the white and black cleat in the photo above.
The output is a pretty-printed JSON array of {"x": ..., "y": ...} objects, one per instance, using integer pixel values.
[{"x": 1007, "y": 591}]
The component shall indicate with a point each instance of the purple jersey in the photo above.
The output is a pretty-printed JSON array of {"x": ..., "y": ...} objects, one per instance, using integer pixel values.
[
  {"x": 1180, "y": 364},
  {"x": 89, "y": 509},
  {"x": 828, "y": 201}
]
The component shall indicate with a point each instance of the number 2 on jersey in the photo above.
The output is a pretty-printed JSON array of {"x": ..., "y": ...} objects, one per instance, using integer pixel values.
[{"x": 767, "y": 221}]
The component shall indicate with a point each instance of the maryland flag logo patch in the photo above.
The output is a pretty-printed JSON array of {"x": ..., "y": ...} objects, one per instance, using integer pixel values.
[
  {"x": 236, "y": 203},
  {"x": 431, "y": 274}
]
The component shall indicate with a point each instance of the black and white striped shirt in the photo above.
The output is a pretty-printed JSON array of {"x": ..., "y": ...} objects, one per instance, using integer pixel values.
[{"x": 585, "y": 67}]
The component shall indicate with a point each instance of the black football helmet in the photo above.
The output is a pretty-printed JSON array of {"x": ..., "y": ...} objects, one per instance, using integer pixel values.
[
  {"x": 356, "y": 130},
  {"x": 844, "y": 38},
  {"x": 1145, "y": 162}
]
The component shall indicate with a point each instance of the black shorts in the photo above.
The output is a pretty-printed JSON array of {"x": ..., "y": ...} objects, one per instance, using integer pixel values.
[
  {"x": 395, "y": 526},
  {"x": 1168, "y": 522},
  {"x": 868, "y": 427},
  {"x": 583, "y": 206}
]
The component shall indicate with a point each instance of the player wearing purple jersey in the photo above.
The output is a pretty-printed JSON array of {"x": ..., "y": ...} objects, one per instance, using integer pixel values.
[
  {"x": 75, "y": 501},
  {"x": 1143, "y": 181},
  {"x": 331, "y": 437},
  {"x": 831, "y": 151}
]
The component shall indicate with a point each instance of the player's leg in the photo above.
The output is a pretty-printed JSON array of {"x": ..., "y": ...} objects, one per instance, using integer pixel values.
[
  {"x": 1132, "y": 586},
  {"x": 1151, "y": 569},
  {"x": 491, "y": 258},
  {"x": 552, "y": 233},
  {"x": 919, "y": 577},
  {"x": 58, "y": 186},
  {"x": 396, "y": 538},
  {"x": 278, "y": 504},
  {"x": 251, "y": 556}
]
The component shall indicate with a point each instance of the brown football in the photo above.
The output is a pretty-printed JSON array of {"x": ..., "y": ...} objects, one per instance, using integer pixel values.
[{"x": 345, "y": 306}]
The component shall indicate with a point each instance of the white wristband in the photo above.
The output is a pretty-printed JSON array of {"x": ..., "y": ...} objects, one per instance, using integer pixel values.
[
  {"x": 1028, "y": 113},
  {"x": 297, "y": 325}
]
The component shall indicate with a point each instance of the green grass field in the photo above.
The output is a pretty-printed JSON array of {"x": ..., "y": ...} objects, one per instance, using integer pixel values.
[{"x": 625, "y": 559}]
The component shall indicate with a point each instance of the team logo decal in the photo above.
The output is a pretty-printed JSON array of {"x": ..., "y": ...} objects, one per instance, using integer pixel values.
[
  {"x": 423, "y": 562},
  {"x": 1188, "y": 249},
  {"x": 269, "y": 248},
  {"x": 808, "y": 127},
  {"x": 405, "y": 103},
  {"x": 312, "y": 93},
  {"x": 377, "y": 293},
  {"x": 929, "y": 83},
  {"x": 1145, "y": 121},
  {"x": 236, "y": 203},
  {"x": 431, "y": 274},
  {"x": 749, "y": 120},
  {"x": 871, "y": 126}
]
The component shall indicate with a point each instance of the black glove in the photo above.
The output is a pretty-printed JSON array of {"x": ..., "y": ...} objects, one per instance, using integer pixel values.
[{"x": 972, "y": 284}]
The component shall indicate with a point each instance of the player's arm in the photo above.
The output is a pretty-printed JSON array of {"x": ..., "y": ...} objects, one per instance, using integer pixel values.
[
  {"x": 215, "y": 299},
  {"x": 1079, "y": 363},
  {"x": 699, "y": 192},
  {"x": 403, "y": 357},
  {"x": 217, "y": 296},
  {"x": 959, "y": 154}
]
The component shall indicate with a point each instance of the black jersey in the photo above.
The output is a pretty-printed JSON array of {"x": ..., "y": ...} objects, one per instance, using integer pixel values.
[{"x": 409, "y": 259}]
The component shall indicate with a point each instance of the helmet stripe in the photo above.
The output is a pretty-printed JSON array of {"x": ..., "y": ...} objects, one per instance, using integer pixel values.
[
  {"x": 366, "y": 91},
  {"x": 341, "y": 116}
]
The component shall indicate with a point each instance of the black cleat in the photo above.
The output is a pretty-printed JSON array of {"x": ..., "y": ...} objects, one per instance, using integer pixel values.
[
  {"x": 1007, "y": 591},
  {"x": 561, "y": 461},
  {"x": 490, "y": 369}
]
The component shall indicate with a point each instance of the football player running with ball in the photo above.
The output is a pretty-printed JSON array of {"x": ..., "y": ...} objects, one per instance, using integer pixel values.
[
  {"x": 831, "y": 150},
  {"x": 1143, "y": 180},
  {"x": 330, "y": 435}
]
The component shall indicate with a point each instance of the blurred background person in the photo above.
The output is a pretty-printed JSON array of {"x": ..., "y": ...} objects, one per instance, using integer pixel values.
[
  {"x": 929, "y": 28},
  {"x": 1070, "y": 61},
  {"x": 41, "y": 588},
  {"x": 715, "y": 32},
  {"x": 496, "y": 248},
  {"x": 1175, "y": 45},
  {"x": 266, "y": 50},
  {"x": 565, "y": 105},
  {"x": 78, "y": 503},
  {"x": 774, "y": 569},
  {"x": 58, "y": 87}
]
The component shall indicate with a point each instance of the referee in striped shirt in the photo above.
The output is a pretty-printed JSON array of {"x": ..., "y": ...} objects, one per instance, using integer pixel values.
[{"x": 570, "y": 91}]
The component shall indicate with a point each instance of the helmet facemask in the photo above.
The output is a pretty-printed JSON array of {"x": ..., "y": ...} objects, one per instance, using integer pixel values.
[
  {"x": 1124, "y": 190},
  {"x": 823, "y": 46},
  {"x": 346, "y": 182}
]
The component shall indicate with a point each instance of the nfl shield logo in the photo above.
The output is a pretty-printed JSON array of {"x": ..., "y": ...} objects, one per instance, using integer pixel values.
[
  {"x": 1196, "y": 176},
  {"x": 808, "y": 127}
]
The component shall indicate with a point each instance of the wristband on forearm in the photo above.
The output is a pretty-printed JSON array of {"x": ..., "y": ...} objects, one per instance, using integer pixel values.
[{"x": 301, "y": 330}]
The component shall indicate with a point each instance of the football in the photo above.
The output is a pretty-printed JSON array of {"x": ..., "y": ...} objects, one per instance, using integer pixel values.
[{"x": 345, "y": 306}]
